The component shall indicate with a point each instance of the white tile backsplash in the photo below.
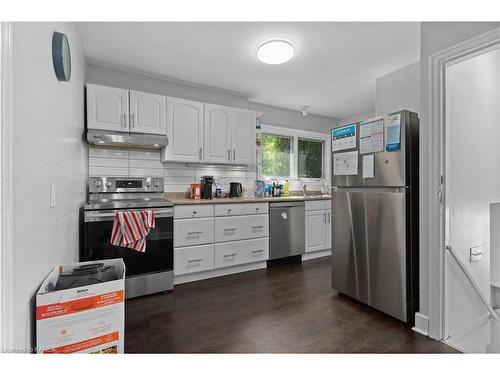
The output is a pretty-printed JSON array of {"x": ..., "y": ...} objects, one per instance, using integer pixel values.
[{"x": 178, "y": 176}]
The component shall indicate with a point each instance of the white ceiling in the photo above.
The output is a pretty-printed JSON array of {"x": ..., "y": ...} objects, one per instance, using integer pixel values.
[{"x": 333, "y": 70}]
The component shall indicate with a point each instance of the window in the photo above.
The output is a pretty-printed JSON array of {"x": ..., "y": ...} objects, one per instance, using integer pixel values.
[
  {"x": 276, "y": 155},
  {"x": 310, "y": 158}
]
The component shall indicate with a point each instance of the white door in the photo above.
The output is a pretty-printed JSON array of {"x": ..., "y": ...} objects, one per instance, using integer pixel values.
[
  {"x": 148, "y": 113},
  {"x": 243, "y": 136},
  {"x": 217, "y": 134},
  {"x": 315, "y": 230},
  {"x": 328, "y": 230},
  {"x": 184, "y": 130},
  {"x": 472, "y": 193},
  {"x": 107, "y": 108}
]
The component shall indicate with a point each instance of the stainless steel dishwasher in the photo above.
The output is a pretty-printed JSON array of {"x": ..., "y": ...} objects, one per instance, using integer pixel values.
[{"x": 287, "y": 229}]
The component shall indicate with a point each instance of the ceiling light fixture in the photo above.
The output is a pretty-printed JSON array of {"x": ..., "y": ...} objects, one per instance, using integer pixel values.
[
  {"x": 275, "y": 51},
  {"x": 304, "y": 110}
]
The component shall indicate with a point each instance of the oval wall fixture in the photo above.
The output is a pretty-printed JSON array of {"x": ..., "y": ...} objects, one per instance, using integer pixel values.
[{"x": 275, "y": 51}]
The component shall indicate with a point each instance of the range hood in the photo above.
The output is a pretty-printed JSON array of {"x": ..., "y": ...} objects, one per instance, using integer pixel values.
[{"x": 125, "y": 140}]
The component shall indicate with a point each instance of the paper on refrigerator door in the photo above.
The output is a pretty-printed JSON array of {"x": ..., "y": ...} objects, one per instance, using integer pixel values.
[
  {"x": 371, "y": 136},
  {"x": 393, "y": 133},
  {"x": 345, "y": 163},
  {"x": 344, "y": 138},
  {"x": 369, "y": 166}
]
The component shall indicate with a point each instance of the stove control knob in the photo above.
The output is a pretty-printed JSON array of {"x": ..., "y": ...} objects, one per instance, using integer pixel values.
[
  {"x": 108, "y": 184},
  {"x": 148, "y": 184},
  {"x": 157, "y": 184},
  {"x": 98, "y": 183}
]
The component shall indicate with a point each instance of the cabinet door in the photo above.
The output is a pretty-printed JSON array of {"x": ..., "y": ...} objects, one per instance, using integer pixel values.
[
  {"x": 243, "y": 136},
  {"x": 315, "y": 230},
  {"x": 148, "y": 113},
  {"x": 217, "y": 134},
  {"x": 328, "y": 229},
  {"x": 184, "y": 130},
  {"x": 107, "y": 108}
]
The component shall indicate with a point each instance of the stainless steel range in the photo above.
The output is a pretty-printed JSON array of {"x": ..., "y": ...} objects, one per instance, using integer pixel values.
[{"x": 148, "y": 272}]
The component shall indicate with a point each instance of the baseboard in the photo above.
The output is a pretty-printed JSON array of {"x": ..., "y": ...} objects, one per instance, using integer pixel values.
[
  {"x": 421, "y": 324},
  {"x": 181, "y": 279},
  {"x": 316, "y": 254}
]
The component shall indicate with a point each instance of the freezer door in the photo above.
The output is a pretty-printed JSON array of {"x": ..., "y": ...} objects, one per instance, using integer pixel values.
[
  {"x": 369, "y": 247},
  {"x": 394, "y": 168}
]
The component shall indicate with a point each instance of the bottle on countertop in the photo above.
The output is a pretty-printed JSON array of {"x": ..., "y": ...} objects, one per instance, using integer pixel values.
[{"x": 287, "y": 189}]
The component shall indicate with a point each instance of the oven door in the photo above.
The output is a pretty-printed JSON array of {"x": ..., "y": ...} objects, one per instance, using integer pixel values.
[{"x": 159, "y": 254}]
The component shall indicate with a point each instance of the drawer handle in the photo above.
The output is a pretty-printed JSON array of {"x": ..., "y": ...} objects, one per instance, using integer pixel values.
[
  {"x": 197, "y": 232},
  {"x": 195, "y": 212},
  {"x": 257, "y": 251},
  {"x": 229, "y": 229},
  {"x": 229, "y": 255},
  {"x": 194, "y": 260},
  {"x": 228, "y": 210},
  {"x": 257, "y": 226},
  {"x": 256, "y": 208}
]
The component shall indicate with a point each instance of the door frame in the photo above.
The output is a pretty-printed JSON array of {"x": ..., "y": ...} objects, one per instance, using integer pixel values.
[
  {"x": 6, "y": 209},
  {"x": 435, "y": 136}
]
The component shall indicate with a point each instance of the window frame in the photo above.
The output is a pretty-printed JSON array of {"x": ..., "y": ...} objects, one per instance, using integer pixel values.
[
  {"x": 322, "y": 177},
  {"x": 292, "y": 166},
  {"x": 295, "y": 135}
]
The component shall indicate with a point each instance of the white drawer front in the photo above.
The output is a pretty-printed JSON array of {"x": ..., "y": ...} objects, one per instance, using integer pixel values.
[
  {"x": 193, "y": 211},
  {"x": 233, "y": 253},
  {"x": 241, "y": 227},
  {"x": 318, "y": 205},
  {"x": 188, "y": 232},
  {"x": 255, "y": 208},
  {"x": 193, "y": 259},
  {"x": 228, "y": 209}
]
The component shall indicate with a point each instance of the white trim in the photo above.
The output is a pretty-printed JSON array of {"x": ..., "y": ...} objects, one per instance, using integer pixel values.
[
  {"x": 295, "y": 135},
  {"x": 434, "y": 135},
  {"x": 316, "y": 254},
  {"x": 421, "y": 324},
  {"x": 6, "y": 219},
  {"x": 181, "y": 279}
]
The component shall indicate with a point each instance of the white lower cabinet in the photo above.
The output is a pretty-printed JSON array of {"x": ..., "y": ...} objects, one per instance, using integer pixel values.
[
  {"x": 240, "y": 252},
  {"x": 193, "y": 259},
  {"x": 190, "y": 232},
  {"x": 318, "y": 226},
  {"x": 209, "y": 239},
  {"x": 241, "y": 227}
]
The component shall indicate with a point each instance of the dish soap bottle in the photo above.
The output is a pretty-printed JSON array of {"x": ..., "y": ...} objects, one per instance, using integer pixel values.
[{"x": 286, "y": 189}]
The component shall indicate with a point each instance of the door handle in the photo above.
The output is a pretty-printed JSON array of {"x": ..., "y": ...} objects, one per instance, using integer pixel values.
[
  {"x": 200, "y": 153},
  {"x": 194, "y": 260},
  {"x": 229, "y": 255},
  {"x": 132, "y": 120},
  {"x": 234, "y": 154},
  {"x": 124, "y": 120},
  {"x": 229, "y": 229}
]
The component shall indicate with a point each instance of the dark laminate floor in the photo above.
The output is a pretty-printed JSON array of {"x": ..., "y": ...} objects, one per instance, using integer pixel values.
[{"x": 284, "y": 309}]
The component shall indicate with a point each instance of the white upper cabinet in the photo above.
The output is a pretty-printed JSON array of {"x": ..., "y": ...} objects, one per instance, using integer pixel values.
[
  {"x": 243, "y": 136},
  {"x": 217, "y": 134},
  {"x": 184, "y": 131},
  {"x": 107, "y": 108},
  {"x": 147, "y": 113}
]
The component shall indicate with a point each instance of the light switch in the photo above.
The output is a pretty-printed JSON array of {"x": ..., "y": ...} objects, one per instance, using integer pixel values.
[
  {"x": 53, "y": 194},
  {"x": 476, "y": 253}
]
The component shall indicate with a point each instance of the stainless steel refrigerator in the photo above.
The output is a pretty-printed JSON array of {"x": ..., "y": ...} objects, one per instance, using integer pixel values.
[{"x": 375, "y": 213}]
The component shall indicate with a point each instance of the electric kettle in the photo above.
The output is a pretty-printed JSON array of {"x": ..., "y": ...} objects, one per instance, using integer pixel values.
[{"x": 235, "y": 189}]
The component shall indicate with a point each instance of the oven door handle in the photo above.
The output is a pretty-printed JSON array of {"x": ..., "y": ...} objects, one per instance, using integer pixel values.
[{"x": 110, "y": 215}]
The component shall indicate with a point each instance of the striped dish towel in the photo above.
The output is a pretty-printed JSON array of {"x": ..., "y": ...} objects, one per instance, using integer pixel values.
[{"x": 130, "y": 229}]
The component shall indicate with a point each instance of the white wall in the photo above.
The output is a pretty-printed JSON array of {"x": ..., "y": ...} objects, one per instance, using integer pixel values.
[
  {"x": 104, "y": 73},
  {"x": 357, "y": 117},
  {"x": 47, "y": 146},
  {"x": 435, "y": 36},
  {"x": 399, "y": 90},
  {"x": 473, "y": 183}
]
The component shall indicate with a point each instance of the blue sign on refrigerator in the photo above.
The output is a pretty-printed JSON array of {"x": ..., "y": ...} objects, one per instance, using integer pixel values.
[{"x": 393, "y": 133}]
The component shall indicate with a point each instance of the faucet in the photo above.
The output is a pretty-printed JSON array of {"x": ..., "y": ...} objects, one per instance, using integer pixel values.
[{"x": 304, "y": 189}]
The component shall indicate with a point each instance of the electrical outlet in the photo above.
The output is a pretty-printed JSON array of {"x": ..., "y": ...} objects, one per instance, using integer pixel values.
[
  {"x": 53, "y": 194},
  {"x": 476, "y": 253}
]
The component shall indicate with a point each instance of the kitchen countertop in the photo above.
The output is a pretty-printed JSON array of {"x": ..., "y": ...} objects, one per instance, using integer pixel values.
[{"x": 181, "y": 201}]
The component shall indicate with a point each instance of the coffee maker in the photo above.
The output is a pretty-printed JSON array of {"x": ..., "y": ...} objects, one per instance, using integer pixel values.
[{"x": 207, "y": 187}]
